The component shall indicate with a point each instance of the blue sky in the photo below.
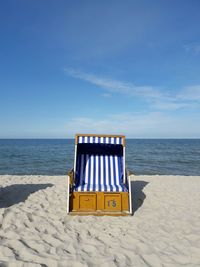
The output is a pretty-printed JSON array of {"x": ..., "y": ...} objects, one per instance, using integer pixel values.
[{"x": 124, "y": 67}]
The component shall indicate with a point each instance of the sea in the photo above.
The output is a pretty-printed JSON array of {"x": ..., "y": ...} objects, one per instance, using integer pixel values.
[{"x": 143, "y": 156}]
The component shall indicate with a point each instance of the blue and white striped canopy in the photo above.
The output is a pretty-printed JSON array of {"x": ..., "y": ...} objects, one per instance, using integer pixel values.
[
  {"x": 100, "y": 140},
  {"x": 99, "y": 164}
]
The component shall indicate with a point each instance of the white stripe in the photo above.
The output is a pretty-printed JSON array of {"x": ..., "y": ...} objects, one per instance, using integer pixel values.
[
  {"x": 101, "y": 140},
  {"x": 91, "y": 139},
  {"x": 101, "y": 164},
  {"x": 117, "y": 170},
  {"x": 106, "y": 167},
  {"x": 96, "y": 139},
  {"x": 91, "y": 172},
  {"x": 80, "y": 139},
  {"x": 117, "y": 140},
  {"x": 85, "y": 188},
  {"x": 86, "y": 139},
  {"x": 112, "y": 140},
  {"x": 120, "y": 188},
  {"x": 107, "y": 140},
  {"x": 124, "y": 167},
  {"x": 97, "y": 172},
  {"x": 112, "y": 171}
]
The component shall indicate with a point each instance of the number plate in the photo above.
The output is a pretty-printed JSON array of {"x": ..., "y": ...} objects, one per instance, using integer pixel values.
[{"x": 112, "y": 202}]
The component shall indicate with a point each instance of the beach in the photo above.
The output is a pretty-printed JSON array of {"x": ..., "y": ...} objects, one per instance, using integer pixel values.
[{"x": 35, "y": 229}]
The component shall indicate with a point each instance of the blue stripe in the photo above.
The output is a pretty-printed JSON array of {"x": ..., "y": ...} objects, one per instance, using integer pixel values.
[
  {"x": 89, "y": 171},
  {"x": 85, "y": 165},
  {"x": 78, "y": 162},
  {"x": 114, "y": 174},
  {"x": 83, "y": 174},
  {"x": 76, "y": 171},
  {"x": 104, "y": 173}
]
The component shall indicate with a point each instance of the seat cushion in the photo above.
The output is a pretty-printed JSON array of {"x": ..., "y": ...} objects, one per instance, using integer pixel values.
[
  {"x": 99, "y": 173},
  {"x": 100, "y": 188}
]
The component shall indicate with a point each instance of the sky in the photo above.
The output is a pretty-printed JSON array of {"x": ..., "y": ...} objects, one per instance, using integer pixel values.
[{"x": 107, "y": 66}]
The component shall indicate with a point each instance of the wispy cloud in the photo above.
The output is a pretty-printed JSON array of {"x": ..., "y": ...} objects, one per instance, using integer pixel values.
[
  {"x": 194, "y": 48},
  {"x": 191, "y": 93},
  {"x": 175, "y": 103},
  {"x": 115, "y": 86},
  {"x": 159, "y": 98},
  {"x": 137, "y": 125}
]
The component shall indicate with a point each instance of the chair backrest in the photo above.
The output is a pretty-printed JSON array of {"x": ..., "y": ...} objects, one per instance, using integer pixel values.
[{"x": 99, "y": 163}]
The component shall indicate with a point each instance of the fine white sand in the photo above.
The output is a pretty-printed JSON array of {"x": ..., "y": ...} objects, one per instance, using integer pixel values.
[{"x": 36, "y": 231}]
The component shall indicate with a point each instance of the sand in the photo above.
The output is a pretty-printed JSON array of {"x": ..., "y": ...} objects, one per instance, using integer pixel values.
[{"x": 36, "y": 231}]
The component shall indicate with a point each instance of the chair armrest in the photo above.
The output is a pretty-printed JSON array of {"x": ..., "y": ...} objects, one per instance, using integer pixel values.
[
  {"x": 71, "y": 177},
  {"x": 128, "y": 180},
  {"x": 129, "y": 172}
]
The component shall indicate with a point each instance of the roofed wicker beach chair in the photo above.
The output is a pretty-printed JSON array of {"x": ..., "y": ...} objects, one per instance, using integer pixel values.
[{"x": 99, "y": 184}]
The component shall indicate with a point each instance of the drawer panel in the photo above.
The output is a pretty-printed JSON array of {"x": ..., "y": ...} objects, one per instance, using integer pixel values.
[{"x": 87, "y": 202}]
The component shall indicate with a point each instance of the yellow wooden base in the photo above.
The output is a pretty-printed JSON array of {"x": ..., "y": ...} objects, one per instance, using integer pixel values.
[{"x": 99, "y": 203}]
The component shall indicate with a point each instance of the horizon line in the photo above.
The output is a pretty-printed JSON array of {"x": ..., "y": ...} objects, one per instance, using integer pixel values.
[{"x": 71, "y": 138}]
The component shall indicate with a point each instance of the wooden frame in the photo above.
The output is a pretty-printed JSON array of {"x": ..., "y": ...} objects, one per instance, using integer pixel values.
[{"x": 101, "y": 135}]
